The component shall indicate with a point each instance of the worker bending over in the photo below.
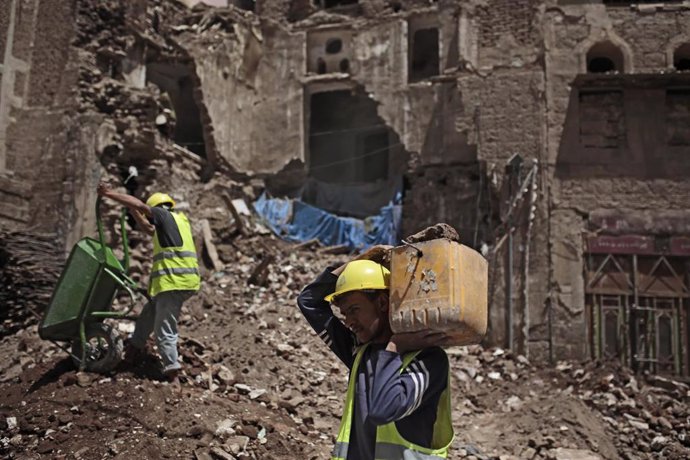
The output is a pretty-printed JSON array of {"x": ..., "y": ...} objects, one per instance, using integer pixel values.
[
  {"x": 174, "y": 275},
  {"x": 398, "y": 397}
]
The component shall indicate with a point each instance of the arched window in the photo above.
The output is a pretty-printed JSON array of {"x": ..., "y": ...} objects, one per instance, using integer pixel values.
[
  {"x": 681, "y": 57},
  {"x": 604, "y": 57}
]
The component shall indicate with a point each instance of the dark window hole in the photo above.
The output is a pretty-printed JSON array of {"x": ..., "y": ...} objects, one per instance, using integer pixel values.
[
  {"x": 344, "y": 66},
  {"x": 600, "y": 65},
  {"x": 682, "y": 64},
  {"x": 320, "y": 66},
  {"x": 334, "y": 46}
]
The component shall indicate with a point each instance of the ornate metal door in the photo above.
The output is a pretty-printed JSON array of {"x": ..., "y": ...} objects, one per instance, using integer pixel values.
[{"x": 638, "y": 310}]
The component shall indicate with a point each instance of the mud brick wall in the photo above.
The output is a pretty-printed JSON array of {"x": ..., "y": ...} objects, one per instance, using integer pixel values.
[
  {"x": 47, "y": 164},
  {"x": 499, "y": 18},
  {"x": 614, "y": 144}
]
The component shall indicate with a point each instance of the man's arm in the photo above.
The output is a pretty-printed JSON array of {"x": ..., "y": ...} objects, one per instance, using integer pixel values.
[
  {"x": 132, "y": 203},
  {"x": 321, "y": 318},
  {"x": 393, "y": 395},
  {"x": 143, "y": 223}
]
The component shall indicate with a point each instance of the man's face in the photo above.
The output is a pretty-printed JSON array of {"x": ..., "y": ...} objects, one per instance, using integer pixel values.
[{"x": 367, "y": 318}]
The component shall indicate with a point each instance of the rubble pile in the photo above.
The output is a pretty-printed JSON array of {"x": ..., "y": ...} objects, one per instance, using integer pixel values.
[
  {"x": 648, "y": 412},
  {"x": 257, "y": 383},
  {"x": 29, "y": 268}
]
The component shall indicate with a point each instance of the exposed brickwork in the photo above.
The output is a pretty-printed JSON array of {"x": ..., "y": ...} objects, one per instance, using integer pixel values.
[
  {"x": 648, "y": 34},
  {"x": 4, "y": 25},
  {"x": 24, "y": 29},
  {"x": 444, "y": 194},
  {"x": 40, "y": 62},
  {"x": 509, "y": 113},
  {"x": 51, "y": 51},
  {"x": 501, "y": 17}
]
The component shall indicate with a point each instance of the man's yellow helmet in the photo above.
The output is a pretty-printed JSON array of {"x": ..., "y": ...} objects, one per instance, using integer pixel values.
[
  {"x": 361, "y": 275},
  {"x": 158, "y": 199}
]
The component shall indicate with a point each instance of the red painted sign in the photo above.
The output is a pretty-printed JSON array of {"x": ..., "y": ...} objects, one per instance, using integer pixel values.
[
  {"x": 629, "y": 244},
  {"x": 680, "y": 246}
]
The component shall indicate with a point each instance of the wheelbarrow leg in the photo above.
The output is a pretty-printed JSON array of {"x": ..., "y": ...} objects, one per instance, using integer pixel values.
[{"x": 82, "y": 337}]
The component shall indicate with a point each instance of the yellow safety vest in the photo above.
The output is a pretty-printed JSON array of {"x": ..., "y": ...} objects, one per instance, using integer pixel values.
[
  {"x": 175, "y": 269},
  {"x": 390, "y": 445}
]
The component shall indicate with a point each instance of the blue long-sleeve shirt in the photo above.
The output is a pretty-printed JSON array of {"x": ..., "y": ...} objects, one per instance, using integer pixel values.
[{"x": 382, "y": 393}]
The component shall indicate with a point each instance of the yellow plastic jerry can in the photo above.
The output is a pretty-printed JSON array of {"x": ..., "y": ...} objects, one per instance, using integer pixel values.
[{"x": 439, "y": 285}]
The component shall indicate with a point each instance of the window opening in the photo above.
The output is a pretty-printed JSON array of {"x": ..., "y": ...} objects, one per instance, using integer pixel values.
[
  {"x": 334, "y": 46},
  {"x": 179, "y": 116},
  {"x": 326, "y": 50},
  {"x": 333, "y": 3},
  {"x": 604, "y": 57},
  {"x": 424, "y": 62},
  {"x": 320, "y": 66},
  {"x": 348, "y": 141},
  {"x": 344, "y": 66},
  {"x": 681, "y": 57},
  {"x": 600, "y": 65}
]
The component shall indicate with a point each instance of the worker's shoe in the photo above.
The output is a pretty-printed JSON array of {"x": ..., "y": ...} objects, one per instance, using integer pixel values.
[{"x": 172, "y": 376}]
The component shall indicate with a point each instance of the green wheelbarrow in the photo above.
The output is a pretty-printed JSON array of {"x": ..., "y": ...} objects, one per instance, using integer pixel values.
[{"x": 83, "y": 299}]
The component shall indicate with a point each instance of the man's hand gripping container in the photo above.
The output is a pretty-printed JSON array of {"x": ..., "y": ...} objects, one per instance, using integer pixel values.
[{"x": 439, "y": 285}]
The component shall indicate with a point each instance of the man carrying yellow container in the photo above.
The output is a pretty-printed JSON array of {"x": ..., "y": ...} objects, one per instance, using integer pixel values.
[
  {"x": 398, "y": 399},
  {"x": 174, "y": 275}
]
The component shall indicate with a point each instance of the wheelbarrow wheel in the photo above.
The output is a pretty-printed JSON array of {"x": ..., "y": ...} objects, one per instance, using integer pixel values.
[{"x": 103, "y": 348}]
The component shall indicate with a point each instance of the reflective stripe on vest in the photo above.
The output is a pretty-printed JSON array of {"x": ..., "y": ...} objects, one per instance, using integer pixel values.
[
  {"x": 173, "y": 254},
  {"x": 174, "y": 271},
  {"x": 176, "y": 268},
  {"x": 390, "y": 445}
]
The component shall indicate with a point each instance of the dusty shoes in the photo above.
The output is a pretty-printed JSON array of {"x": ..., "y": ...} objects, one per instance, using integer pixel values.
[{"x": 173, "y": 378}]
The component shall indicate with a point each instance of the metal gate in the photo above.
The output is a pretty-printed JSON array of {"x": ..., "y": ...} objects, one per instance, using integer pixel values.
[{"x": 638, "y": 306}]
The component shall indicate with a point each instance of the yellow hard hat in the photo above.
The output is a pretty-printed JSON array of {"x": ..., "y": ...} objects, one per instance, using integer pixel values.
[
  {"x": 158, "y": 199},
  {"x": 361, "y": 274}
]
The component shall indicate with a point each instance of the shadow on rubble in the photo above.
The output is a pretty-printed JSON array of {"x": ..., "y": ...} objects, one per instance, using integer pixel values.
[
  {"x": 146, "y": 368},
  {"x": 52, "y": 375}
]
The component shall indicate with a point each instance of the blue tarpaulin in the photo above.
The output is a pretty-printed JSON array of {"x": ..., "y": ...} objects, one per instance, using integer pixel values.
[{"x": 295, "y": 221}]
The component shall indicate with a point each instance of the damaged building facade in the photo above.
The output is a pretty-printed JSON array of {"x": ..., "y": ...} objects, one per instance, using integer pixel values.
[{"x": 554, "y": 135}]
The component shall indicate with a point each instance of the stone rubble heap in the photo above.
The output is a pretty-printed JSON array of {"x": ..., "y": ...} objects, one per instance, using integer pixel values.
[{"x": 649, "y": 412}]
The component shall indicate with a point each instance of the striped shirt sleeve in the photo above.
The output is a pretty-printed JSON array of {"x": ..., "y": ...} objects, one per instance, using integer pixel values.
[
  {"x": 395, "y": 395},
  {"x": 320, "y": 317}
]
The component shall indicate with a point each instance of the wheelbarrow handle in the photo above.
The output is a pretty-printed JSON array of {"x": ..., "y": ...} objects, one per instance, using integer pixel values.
[
  {"x": 123, "y": 231},
  {"x": 125, "y": 239},
  {"x": 99, "y": 224}
]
